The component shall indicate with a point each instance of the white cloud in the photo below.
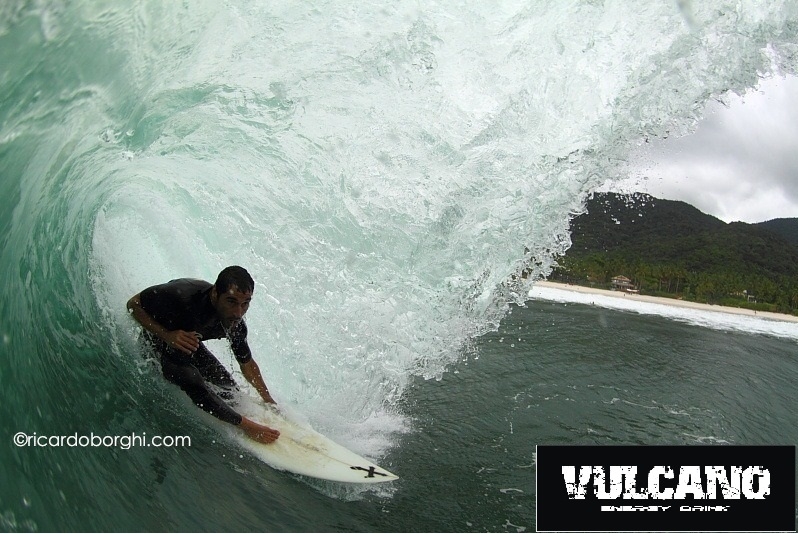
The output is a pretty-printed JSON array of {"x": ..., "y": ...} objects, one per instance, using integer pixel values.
[{"x": 740, "y": 164}]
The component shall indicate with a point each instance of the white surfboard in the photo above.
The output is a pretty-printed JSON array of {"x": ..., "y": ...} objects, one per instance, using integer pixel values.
[{"x": 304, "y": 451}]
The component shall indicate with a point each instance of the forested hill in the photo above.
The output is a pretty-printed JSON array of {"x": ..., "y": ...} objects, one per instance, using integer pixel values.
[
  {"x": 670, "y": 247},
  {"x": 786, "y": 228}
]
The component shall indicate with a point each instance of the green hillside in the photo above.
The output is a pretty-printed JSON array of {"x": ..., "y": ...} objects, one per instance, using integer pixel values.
[
  {"x": 786, "y": 228},
  {"x": 670, "y": 248}
]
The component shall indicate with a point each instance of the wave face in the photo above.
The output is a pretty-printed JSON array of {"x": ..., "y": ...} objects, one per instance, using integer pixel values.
[{"x": 384, "y": 172}]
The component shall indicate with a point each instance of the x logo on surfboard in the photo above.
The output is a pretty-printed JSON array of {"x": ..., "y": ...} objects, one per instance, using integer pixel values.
[{"x": 371, "y": 471}]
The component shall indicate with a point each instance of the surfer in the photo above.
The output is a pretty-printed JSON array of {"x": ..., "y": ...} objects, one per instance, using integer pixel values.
[{"x": 178, "y": 315}]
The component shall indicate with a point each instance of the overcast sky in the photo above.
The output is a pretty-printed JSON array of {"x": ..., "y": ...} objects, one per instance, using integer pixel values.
[{"x": 741, "y": 164}]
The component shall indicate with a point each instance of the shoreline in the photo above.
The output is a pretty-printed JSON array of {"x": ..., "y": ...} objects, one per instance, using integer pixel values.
[{"x": 668, "y": 301}]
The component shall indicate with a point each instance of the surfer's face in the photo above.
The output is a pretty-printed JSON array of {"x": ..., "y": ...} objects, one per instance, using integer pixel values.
[{"x": 231, "y": 305}]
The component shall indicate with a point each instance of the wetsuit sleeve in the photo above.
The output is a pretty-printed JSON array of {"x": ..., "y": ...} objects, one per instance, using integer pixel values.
[
  {"x": 239, "y": 345},
  {"x": 163, "y": 305}
]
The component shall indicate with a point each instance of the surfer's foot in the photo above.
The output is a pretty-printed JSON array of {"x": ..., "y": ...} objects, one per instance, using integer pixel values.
[{"x": 258, "y": 432}]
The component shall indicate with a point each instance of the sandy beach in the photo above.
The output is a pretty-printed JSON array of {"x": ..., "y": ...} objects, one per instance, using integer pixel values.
[{"x": 668, "y": 302}]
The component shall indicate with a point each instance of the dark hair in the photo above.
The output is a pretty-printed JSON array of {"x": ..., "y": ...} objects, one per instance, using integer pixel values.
[{"x": 234, "y": 276}]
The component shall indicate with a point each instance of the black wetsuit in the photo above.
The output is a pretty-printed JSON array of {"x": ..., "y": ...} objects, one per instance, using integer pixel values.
[{"x": 185, "y": 304}]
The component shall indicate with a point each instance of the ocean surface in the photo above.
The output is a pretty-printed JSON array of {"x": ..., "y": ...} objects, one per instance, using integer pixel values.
[{"x": 385, "y": 172}]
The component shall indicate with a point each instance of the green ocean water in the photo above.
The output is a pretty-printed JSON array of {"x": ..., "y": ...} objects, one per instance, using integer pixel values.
[
  {"x": 554, "y": 373},
  {"x": 384, "y": 172}
]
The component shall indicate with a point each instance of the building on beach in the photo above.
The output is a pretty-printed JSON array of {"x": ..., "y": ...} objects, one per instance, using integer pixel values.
[{"x": 621, "y": 283}]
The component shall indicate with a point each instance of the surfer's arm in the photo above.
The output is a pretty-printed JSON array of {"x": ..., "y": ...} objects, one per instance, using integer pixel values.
[
  {"x": 179, "y": 339},
  {"x": 258, "y": 432},
  {"x": 251, "y": 372}
]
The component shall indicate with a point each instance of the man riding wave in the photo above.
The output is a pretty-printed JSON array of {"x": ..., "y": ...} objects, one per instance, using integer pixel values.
[{"x": 178, "y": 315}]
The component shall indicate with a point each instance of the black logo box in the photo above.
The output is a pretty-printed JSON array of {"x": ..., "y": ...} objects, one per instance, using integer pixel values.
[{"x": 557, "y": 512}]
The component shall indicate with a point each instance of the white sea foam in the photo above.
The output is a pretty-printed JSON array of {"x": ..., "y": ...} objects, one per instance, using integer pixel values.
[{"x": 716, "y": 319}]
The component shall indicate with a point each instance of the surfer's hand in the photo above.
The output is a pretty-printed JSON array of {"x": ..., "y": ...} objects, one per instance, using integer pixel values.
[
  {"x": 258, "y": 432},
  {"x": 181, "y": 340}
]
